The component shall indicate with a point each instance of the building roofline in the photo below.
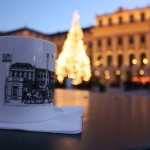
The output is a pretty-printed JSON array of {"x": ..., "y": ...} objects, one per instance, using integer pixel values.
[
  {"x": 121, "y": 9},
  {"x": 65, "y": 32},
  {"x": 23, "y": 28},
  {"x": 33, "y": 30}
]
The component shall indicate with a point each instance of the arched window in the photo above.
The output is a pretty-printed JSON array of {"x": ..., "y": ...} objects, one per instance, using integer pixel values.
[
  {"x": 142, "y": 57},
  {"x": 109, "y": 41},
  {"x": 120, "y": 21},
  {"x": 109, "y": 60},
  {"x": 142, "y": 38},
  {"x": 131, "y": 18},
  {"x": 131, "y": 57},
  {"x": 142, "y": 17},
  {"x": 99, "y": 58},
  {"x": 131, "y": 39},
  {"x": 109, "y": 21},
  {"x": 119, "y": 40},
  {"x": 120, "y": 60},
  {"x": 99, "y": 61},
  {"x": 99, "y": 43},
  {"x": 100, "y": 23}
]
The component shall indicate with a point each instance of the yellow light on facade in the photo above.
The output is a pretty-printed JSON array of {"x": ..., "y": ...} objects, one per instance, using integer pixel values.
[
  {"x": 106, "y": 72},
  {"x": 96, "y": 72},
  {"x": 73, "y": 61},
  {"x": 97, "y": 63},
  {"x": 118, "y": 72},
  {"x": 141, "y": 72},
  {"x": 134, "y": 61},
  {"x": 108, "y": 52},
  {"x": 107, "y": 77},
  {"x": 145, "y": 61}
]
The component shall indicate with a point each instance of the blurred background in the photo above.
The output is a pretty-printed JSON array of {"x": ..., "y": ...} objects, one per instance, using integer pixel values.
[{"x": 116, "y": 35}]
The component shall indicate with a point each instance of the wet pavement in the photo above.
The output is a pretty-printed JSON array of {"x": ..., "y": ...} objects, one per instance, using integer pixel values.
[{"x": 139, "y": 92}]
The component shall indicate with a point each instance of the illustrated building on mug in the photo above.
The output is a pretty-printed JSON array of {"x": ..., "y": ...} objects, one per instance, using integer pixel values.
[
  {"x": 118, "y": 45},
  {"x": 25, "y": 75}
]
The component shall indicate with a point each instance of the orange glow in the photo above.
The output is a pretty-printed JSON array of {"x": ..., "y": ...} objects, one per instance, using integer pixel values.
[{"x": 142, "y": 80}]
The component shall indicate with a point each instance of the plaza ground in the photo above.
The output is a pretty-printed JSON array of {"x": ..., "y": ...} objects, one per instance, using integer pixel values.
[{"x": 139, "y": 92}]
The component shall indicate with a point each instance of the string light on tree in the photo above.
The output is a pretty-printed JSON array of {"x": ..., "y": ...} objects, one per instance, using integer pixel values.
[{"x": 73, "y": 61}]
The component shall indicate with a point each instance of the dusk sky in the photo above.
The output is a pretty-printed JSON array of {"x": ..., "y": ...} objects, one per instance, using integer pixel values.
[{"x": 51, "y": 16}]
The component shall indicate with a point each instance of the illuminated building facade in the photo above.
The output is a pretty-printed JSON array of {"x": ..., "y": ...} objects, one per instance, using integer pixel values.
[{"x": 118, "y": 44}]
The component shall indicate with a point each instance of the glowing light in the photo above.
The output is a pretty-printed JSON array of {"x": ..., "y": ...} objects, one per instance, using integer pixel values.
[
  {"x": 141, "y": 72},
  {"x": 107, "y": 77},
  {"x": 97, "y": 63},
  {"x": 73, "y": 61},
  {"x": 106, "y": 72},
  {"x": 134, "y": 61},
  {"x": 96, "y": 72},
  {"x": 142, "y": 80},
  {"x": 118, "y": 72},
  {"x": 145, "y": 61}
]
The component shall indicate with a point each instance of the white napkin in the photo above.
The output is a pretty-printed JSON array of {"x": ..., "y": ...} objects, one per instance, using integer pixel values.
[{"x": 64, "y": 120}]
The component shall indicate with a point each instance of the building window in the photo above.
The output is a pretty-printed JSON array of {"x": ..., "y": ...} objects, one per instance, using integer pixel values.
[
  {"x": 99, "y": 43},
  {"x": 109, "y": 22},
  {"x": 99, "y": 61},
  {"x": 22, "y": 75},
  {"x": 143, "y": 59},
  {"x": 109, "y": 60},
  {"x": 120, "y": 40},
  {"x": 120, "y": 21},
  {"x": 27, "y": 75},
  {"x": 142, "y": 38},
  {"x": 131, "y": 57},
  {"x": 142, "y": 17},
  {"x": 131, "y": 18},
  {"x": 90, "y": 45},
  {"x": 120, "y": 60},
  {"x": 15, "y": 89},
  {"x": 18, "y": 74},
  {"x": 13, "y": 73},
  {"x": 131, "y": 40},
  {"x": 109, "y": 41},
  {"x": 100, "y": 23}
]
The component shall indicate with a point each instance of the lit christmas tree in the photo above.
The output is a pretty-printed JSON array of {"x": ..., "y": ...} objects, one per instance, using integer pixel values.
[{"x": 73, "y": 61}]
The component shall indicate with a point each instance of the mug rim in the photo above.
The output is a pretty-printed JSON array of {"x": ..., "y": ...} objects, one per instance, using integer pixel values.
[{"x": 27, "y": 37}]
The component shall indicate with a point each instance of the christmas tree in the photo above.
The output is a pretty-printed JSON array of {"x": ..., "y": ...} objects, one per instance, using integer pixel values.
[{"x": 73, "y": 61}]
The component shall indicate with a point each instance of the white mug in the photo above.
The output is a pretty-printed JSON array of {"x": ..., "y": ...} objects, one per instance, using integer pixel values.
[{"x": 26, "y": 79}]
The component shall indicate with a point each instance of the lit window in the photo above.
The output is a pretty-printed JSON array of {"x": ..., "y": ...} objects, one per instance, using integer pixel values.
[
  {"x": 99, "y": 61},
  {"x": 131, "y": 60},
  {"x": 143, "y": 59}
]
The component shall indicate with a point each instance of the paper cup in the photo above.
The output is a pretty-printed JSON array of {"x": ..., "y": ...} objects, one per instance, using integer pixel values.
[{"x": 26, "y": 79}]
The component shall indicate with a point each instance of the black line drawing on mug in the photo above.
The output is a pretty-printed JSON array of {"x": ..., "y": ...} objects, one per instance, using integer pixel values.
[{"x": 27, "y": 84}]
